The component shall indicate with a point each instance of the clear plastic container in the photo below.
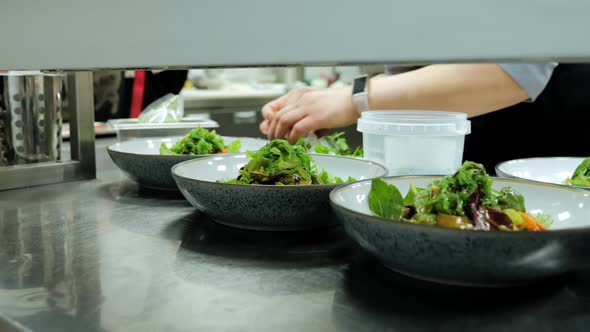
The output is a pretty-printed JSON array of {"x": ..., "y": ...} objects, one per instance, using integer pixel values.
[
  {"x": 130, "y": 128},
  {"x": 415, "y": 142}
]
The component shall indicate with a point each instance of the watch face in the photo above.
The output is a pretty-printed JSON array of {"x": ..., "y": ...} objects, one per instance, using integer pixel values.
[{"x": 359, "y": 85}]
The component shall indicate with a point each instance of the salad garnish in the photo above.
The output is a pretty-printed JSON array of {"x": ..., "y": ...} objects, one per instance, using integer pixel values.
[
  {"x": 464, "y": 200},
  {"x": 200, "y": 141},
  {"x": 581, "y": 176},
  {"x": 280, "y": 163},
  {"x": 332, "y": 144}
]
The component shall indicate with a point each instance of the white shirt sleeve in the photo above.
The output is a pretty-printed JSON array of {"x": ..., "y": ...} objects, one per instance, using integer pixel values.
[{"x": 531, "y": 77}]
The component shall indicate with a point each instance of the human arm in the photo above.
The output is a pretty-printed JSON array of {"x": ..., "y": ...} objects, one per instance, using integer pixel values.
[{"x": 474, "y": 89}]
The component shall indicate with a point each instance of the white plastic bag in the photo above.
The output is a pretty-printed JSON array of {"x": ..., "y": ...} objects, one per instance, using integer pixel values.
[{"x": 169, "y": 108}]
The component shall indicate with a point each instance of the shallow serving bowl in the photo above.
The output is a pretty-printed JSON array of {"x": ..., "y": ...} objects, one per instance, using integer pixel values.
[
  {"x": 140, "y": 159},
  {"x": 548, "y": 169},
  {"x": 265, "y": 207},
  {"x": 465, "y": 257}
]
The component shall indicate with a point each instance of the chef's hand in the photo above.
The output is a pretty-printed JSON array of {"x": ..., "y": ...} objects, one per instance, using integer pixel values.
[
  {"x": 303, "y": 111},
  {"x": 270, "y": 109}
]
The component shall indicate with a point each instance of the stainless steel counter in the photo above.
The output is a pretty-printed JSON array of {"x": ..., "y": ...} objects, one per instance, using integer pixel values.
[{"x": 106, "y": 255}]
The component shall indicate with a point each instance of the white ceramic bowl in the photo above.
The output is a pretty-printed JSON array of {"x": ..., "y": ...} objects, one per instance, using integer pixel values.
[
  {"x": 265, "y": 207},
  {"x": 140, "y": 159},
  {"x": 479, "y": 258},
  {"x": 548, "y": 170}
]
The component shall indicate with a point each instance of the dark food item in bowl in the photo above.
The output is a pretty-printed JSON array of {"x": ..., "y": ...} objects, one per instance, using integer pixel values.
[
  {"x": 464, "y": 200},
  {"x": 200, "y": 141},
  {"x": 280, "y": 163},
  {"x": 581, "y": 176}
]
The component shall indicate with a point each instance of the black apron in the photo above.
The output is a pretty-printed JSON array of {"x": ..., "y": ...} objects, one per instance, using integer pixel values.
[
  {"x": 556, "y": 124},
  {"x": 156, "y": 86}
]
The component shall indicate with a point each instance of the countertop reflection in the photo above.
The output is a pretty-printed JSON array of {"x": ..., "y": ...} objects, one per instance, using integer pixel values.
[{"x": 106, "y": 255}]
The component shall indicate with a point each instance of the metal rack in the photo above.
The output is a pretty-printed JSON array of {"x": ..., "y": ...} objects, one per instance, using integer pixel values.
[{"x": 82, "y": 163}]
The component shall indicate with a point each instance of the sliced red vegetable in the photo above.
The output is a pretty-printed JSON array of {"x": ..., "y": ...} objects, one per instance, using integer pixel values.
[
  {"x": 497, "y": 218},
  {"x": 477, "y": 215}
]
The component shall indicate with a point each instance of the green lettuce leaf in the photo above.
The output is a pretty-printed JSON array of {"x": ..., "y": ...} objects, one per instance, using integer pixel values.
[
  {"x": 545, "y": 219},
  {"x": 509, "y": 199},
  {"x": 319, "y": 148},
  {"x": 164, "y": 151},
  {"x": 234, "y": 146},
  {"x": 385, "y": 200},
  {"x": 336, "y": 143},
  {"x": 580, "y": 181},
  {"x": 280, "y": 163},
  {"x": 583, "y": 169},
  {"x": 199, "y": 141},
  {"x": 581, "y": 176}
]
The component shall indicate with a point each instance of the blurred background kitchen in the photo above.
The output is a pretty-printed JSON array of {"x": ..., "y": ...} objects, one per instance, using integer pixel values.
[
  {"x": 37, "y": 108},
  {"x": 230, "y": 100},
  {"x": 232, "y": 97}
]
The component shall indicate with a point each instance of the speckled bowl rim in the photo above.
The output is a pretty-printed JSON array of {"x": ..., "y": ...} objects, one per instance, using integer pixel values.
[
  {"x": 268, "y": 187},
  {"x": 376, "y": 219},
  {"x": 508, "y": 176},
  {"x": 111, "y": 149}
]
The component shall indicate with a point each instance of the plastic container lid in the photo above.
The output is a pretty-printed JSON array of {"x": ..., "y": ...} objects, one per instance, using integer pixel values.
[{"x": 414, "y": 123}]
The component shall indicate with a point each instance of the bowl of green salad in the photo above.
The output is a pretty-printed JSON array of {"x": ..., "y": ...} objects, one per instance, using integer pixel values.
[
  {"x": 278, "y": 187},
  {"x": 568, "y": 171},
  {"x": 468, "y": 228},
  {"x": 148, "y": 161}
]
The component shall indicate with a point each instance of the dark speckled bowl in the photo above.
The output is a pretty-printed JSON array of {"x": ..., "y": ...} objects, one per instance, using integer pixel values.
[
  {"x": 470, "y": 257},
  {"x": 141, "y": 160},
  {"x": 265, "y": 207}
]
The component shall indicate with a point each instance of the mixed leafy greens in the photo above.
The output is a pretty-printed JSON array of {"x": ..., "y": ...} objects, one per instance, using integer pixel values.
[
  {"x": 581, "y": 176},
  {"x": 200, "y": 141},
  {"x": 464, "y": 200},
  {"x": 333, "y": 144},
  {"x": 280, "y": 163}
]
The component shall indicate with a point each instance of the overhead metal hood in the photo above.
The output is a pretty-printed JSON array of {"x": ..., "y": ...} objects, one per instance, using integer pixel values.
[{"x": 82, "y": 34}]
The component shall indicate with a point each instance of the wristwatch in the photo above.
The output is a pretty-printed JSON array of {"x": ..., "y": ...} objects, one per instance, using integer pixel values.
[{"x": 360, "y": 93}]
